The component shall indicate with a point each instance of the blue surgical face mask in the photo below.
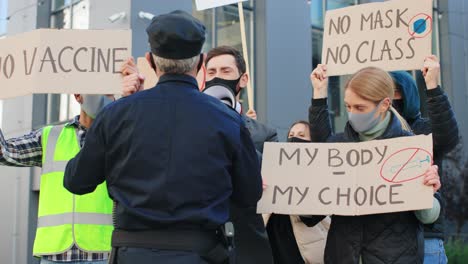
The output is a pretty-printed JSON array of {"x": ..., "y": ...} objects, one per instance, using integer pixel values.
[
  {"x": 363, "y": 122},
  {"x": 93, "y": 104}
]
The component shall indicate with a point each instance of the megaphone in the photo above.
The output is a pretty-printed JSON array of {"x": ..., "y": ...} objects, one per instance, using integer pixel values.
[{"x": 222, "y": 93}]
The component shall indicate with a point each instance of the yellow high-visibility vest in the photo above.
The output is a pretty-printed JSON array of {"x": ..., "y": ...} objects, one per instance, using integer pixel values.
[{"x": 65, "y": 219}]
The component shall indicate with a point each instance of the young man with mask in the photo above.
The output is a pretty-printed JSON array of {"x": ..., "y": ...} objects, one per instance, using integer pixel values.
[
  {"x": 226, "y": 66},
  {"x": 442, "y": 124},
  {"x": 70, "y": 229}
]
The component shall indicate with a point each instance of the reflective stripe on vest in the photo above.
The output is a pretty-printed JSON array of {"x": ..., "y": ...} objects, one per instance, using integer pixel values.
[
  {"x": 50, "y": 165},
  {"x": 75, "y": 218}
]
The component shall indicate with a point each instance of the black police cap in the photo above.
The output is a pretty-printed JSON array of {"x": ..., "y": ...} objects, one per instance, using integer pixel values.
[{"x": 176, "y": 35}]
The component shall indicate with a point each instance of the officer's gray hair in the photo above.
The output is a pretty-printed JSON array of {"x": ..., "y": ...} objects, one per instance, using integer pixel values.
[{"x": 176, "y": 66}]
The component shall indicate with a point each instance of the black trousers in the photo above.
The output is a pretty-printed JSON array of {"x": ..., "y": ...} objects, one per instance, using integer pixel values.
[{"x": 127, "y": 255}]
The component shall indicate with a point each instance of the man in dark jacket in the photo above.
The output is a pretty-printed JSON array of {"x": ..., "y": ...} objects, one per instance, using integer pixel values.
[
  {"x": 173, "y": 158},
  {"x": 225, "y": 66},
  {"x": 443, "y": 126}
]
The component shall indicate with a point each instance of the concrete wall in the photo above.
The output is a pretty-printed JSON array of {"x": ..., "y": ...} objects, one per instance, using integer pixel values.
[
  {"x": 454, "y": 55},
  {"x": 283, "y": 51},
  {"x": 15, "y": 190},
  {"x": 101, "y": 10}
]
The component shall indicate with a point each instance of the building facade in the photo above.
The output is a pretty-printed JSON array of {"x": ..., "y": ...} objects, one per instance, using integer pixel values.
[{"x": 284, "y": 41}]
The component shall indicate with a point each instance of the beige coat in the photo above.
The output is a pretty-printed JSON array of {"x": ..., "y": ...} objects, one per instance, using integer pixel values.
[{"x": 311, "y": 241}]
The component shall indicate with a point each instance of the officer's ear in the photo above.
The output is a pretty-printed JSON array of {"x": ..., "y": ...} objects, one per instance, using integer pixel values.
[
  {"x": 150, "y": 60},
  {"x": 79, "y": 98}
]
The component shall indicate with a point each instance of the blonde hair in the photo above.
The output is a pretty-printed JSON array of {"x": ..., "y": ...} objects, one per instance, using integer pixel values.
[{"x": 374, "y": 84}]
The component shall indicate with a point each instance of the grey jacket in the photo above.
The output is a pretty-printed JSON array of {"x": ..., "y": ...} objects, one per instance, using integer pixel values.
[{"x": 260, "y": 133}]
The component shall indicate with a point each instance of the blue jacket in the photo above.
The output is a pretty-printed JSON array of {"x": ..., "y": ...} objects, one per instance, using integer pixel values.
[
  {"x": 441, "y": 120},
  {"x": 171, "y": 156},
  {"x": 260, "y": 133}
]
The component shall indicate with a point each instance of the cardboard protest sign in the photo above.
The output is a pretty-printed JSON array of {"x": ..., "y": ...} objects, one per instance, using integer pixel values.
[
  {"x": 145, "y": 69},
  {"x": 205, "y": 4},
  {"x": 392, "y": 35},
  {"x": 346, "y": 178},
  {"x": 63, "y": 61}
]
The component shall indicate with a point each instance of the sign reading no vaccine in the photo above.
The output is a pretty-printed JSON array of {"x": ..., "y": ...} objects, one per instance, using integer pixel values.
[
  {"x": 63, "y": 61},
  {"x": 372, "y": 177},
  {"x": 392, "y": 35}
]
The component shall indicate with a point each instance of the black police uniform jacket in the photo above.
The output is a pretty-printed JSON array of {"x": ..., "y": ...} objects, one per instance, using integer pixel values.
[
  {"x": 391, "y": 238},
  {"x": 171, "y": 157}
]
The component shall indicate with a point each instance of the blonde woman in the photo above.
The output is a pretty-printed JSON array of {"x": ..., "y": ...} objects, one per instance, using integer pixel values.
[{"x": 380, "y": 238}]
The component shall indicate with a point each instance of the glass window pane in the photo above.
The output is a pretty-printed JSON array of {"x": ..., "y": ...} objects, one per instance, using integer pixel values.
[
  {"x": 206, "y": 17},
  {"x": 316, "y": 13},
  {"x": 3, "y": 17},
  {"x": 58, "y": 4},
  {"x": 248, "y": 4},
  {"x": 227, "y": 27},
  {"x": 61, "y": 19},
  {"x": 334, "y": 4}
]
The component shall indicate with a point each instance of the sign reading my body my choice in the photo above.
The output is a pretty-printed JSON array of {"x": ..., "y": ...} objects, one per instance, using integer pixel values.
[
  {"x": 63, "y": 61},
  {"x": 346, "y": 178},
  {"x": 393, "y": 35}
]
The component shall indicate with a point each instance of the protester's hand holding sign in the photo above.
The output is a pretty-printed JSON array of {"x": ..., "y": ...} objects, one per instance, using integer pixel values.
[
  {"x": 132, "y": 81},
  {"x": 319, "y": 79},
  {"x": 432, "y": 178},
  {"x": 252, "y": 114},
  {"x": 430, "y": 71}
]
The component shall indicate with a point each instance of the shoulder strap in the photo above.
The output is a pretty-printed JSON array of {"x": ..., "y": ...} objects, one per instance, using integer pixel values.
[{"x": 49, "y": 164}]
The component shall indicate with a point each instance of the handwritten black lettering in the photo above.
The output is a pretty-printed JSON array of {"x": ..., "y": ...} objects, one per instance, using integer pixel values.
[
  {"x": 393, "y": 194},
  {"x": 48, "y": 53},
  {"x": 321, "y": 196},
  {"x": 278, "y": 189},
  {"x": 302, "y": 194},
  {"x": 335, "y": 156},
  {"x": 296, "y": 153},
  {"x": 28, "y": 70}
]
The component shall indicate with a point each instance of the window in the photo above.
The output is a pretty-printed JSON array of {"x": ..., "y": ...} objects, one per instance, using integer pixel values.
[
  {"x": 223, "y": 28},
  {"x": 66, "y": 14},
  {"x": 3, "y": 17},
  {"x": 336, "y": 83}
]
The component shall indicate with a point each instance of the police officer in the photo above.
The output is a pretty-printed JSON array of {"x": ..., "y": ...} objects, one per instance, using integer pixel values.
[{"x": 172, "y": 158}]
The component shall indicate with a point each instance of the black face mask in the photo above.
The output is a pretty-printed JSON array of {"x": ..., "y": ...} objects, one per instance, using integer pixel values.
[
  {"x": 398, "y": 104},
  {"x": 231, "y": 84},
  {"x": 298, "y": 140}
]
